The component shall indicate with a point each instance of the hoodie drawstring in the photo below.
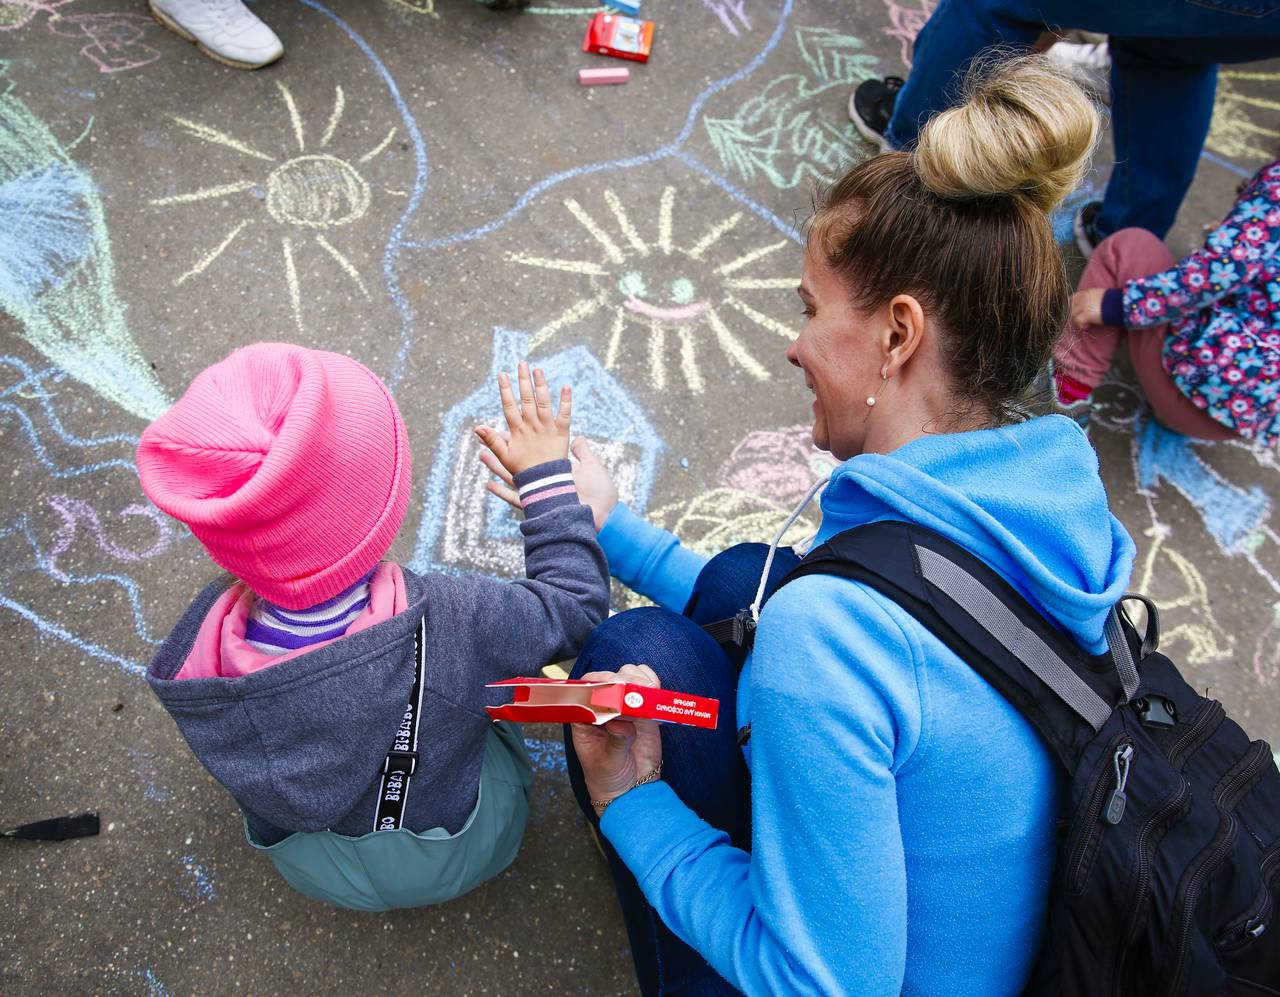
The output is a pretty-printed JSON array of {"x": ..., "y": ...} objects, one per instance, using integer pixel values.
[{"x": 773, "y": 547}]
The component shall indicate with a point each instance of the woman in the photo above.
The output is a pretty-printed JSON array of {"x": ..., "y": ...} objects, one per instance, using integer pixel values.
[{"x": 888, "y": 826}]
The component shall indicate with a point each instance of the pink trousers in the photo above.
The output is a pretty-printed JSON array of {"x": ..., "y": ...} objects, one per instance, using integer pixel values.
[{"x": 1086, "y": 354}]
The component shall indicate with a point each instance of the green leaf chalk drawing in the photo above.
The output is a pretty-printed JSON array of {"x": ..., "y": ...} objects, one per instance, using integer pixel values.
[
  {"x": 789, "y": 132},
  {"x": 57, "y": 276}
]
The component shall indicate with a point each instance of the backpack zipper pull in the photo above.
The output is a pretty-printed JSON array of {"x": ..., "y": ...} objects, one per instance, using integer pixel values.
[{"x": 1114, "y": 810}]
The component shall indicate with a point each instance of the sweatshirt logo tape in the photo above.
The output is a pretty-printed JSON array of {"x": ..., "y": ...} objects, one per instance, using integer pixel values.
[{"x": 402, "y": 760}]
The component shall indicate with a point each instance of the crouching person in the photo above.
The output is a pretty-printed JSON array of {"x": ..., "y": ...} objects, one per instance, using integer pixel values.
[{"x": 337, "y": 696}]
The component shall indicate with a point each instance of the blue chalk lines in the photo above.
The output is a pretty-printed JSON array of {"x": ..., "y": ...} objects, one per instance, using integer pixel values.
[{"x": 673, "y": 149}]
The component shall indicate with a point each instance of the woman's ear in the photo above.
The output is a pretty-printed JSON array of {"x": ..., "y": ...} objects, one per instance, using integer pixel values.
[{"x": 903, "y": 332}]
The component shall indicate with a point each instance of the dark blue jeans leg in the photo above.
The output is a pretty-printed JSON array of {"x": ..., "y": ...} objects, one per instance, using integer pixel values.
[
  {"x": 959, "y": 29},
  {"x": 1162, "y": 95},
  {"x": 704, "y": 768}
]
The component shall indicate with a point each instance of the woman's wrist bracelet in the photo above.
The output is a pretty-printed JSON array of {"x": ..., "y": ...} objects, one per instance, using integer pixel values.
[{"x": 599, "y": 806}]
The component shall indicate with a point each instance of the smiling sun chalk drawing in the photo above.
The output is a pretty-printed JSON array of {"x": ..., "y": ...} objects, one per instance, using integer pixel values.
[{"x": 661, "y": 295}]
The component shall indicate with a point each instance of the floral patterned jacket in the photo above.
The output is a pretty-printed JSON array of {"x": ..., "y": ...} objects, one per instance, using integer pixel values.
[{"x": 1222, "y": 306}]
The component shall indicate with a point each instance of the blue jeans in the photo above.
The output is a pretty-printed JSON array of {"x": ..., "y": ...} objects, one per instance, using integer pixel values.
[
  {"x": 705, "y": 768},
  {"x": 1164, "y": 73}
]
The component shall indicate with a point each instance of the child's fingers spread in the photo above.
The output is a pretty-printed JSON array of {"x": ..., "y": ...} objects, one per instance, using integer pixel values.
[
  {"x": 493, "y": 464},
  {"x": 509, "y": 408},
  {"x": 542, "y": 394},
  {"x": 566, "y": 407},
  {"x": 508, "y": 495},
  {"x": 495, "y": 442},
  {"x": 581, "y": 449},
  {"x": 528, "y": 409}
]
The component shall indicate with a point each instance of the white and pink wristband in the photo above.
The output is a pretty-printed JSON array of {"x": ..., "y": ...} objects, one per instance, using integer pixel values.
[{"x": 546, "y": 486}]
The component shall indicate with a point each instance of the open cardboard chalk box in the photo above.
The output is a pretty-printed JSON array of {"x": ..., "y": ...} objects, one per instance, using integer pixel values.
[{"x": 579, "y": 701}]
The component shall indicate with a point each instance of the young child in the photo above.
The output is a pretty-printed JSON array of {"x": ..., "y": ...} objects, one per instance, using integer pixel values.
[
  {"x": 340, "y": 698},
  {"x": 1204, "y": 332}
]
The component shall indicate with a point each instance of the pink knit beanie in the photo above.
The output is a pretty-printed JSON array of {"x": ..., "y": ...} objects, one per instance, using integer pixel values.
[{"x": 290, "y": 465}]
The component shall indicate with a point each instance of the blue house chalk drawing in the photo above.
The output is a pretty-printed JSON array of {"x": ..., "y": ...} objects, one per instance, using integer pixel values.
[{"x": 464, "y": 526}]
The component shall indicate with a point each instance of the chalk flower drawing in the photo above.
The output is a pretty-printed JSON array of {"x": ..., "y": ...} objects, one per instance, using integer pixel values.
[
  {"x": 465, "y": 527},
  {"x": 666, "y": 290},
  {"x": 57, "y": 275},
  {"x": 795, "y": 129},
  {"x": 311, "y": 193},
  {"x": 1234, "y": 131}
]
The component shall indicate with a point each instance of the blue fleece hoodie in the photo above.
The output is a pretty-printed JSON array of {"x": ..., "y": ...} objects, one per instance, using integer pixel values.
[{"x": 902, "y": 812}]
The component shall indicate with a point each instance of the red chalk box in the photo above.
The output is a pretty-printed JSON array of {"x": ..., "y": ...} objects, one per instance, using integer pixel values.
[
  {"x": 577, "y": 701},
  {"x": 622, "y": 37}
]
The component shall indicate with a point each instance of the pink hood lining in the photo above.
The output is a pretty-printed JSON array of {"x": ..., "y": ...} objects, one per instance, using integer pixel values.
[{"x": 220, "y": 650}]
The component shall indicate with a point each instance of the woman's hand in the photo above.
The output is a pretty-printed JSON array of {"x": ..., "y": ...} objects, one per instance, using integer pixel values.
[
  {"x": 1086, "y": 307},
  {"x": 595, "y": 487},
  {"x": 535, "y": 434},
  {"x": 617, "y": 755}
]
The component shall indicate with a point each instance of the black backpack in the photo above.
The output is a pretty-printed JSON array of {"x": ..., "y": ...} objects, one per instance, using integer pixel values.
[{"x": 1169, "y": 859}]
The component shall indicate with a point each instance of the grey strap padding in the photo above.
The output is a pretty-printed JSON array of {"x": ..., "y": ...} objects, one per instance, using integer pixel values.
[
  {"x": 998, "y": 620},
  {"x": 1122, "y": 655}
]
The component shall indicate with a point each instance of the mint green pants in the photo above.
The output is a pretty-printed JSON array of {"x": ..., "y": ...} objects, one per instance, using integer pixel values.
[{"x": 382, "y": 870}]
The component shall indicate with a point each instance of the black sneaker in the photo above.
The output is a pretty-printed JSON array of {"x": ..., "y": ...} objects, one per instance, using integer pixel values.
[
  {"x": 871, "y": 107},
  {"x": 1085, "y": 227}
]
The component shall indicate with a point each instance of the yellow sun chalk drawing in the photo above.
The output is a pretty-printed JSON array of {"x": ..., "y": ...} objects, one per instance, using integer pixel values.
[
  {"x": 308, "y": 193},
  {"x": 714, "y": 235},
  {"x": 203, "y": 265},
  {"x": 671, "y": 296},
  {"x": 378, "y": 149},
  {"x": 216, "y": 137},
  {"x": 611, "y": 250},
  {"x": 339, "y": 102}
]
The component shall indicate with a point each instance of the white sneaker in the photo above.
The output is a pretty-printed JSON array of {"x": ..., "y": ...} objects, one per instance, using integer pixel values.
[
  {"x": 1088, "y": 63},
  {"x": 224, "y": 30}
]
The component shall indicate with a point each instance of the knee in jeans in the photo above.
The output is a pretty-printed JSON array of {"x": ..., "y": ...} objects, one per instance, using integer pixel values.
[{"x": 651, "y": 636}]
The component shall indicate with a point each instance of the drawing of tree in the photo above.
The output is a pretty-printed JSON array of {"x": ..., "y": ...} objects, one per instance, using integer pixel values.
[{"x": 796, "y": 129}]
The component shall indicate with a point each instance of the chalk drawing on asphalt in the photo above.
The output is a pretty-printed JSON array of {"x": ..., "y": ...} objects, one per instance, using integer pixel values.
[
  {"x": 112, "y": 41},
  {"x": 659, "y": 294},
  {"x": 309, "y": 192},
  {"x": 463, "y": 526},
  {"x": 732, "y": 14},
  {"x": 1237, "y": 130},
  {"x": 795, "y": 131},
  {"x": 57, "y": 273},
  {"x": 905, "y": 21},
  {"x": 1173, "y": 580}
]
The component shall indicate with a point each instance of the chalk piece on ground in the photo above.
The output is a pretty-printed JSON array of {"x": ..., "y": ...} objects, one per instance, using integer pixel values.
[
  {"x": 631, "y": 7},
  {"x": 599, "y": 77}
]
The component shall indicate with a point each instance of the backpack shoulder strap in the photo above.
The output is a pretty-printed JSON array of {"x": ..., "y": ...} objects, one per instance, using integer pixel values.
[{"x": 1065, "y": 694}]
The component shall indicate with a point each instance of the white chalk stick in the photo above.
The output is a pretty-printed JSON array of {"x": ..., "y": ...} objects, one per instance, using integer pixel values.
[{"x": 597, "y": 77}]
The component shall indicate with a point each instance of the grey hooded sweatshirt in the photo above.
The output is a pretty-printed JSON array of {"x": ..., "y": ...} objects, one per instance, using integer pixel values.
[{"x": 300, "y": 744}]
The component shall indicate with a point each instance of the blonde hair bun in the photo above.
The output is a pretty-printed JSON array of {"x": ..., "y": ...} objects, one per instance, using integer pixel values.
[{"x": 1024, "y": 130}]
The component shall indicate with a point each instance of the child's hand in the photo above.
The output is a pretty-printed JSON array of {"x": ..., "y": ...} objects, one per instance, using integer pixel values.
[
  {"x": 1086, "y": 307},
  {"x": 595, "y": 487},
  {"x": 534, "y": 434}
]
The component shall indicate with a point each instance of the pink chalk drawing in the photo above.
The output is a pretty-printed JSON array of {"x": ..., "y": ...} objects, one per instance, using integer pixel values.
[
  {"x": 727, "y": 11},
  {"x": 74, "y": 511},
  {"x": 905, "y": 22},
  {"x": 779, "y": 465},
  {"x": 114, "y": 40}
]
